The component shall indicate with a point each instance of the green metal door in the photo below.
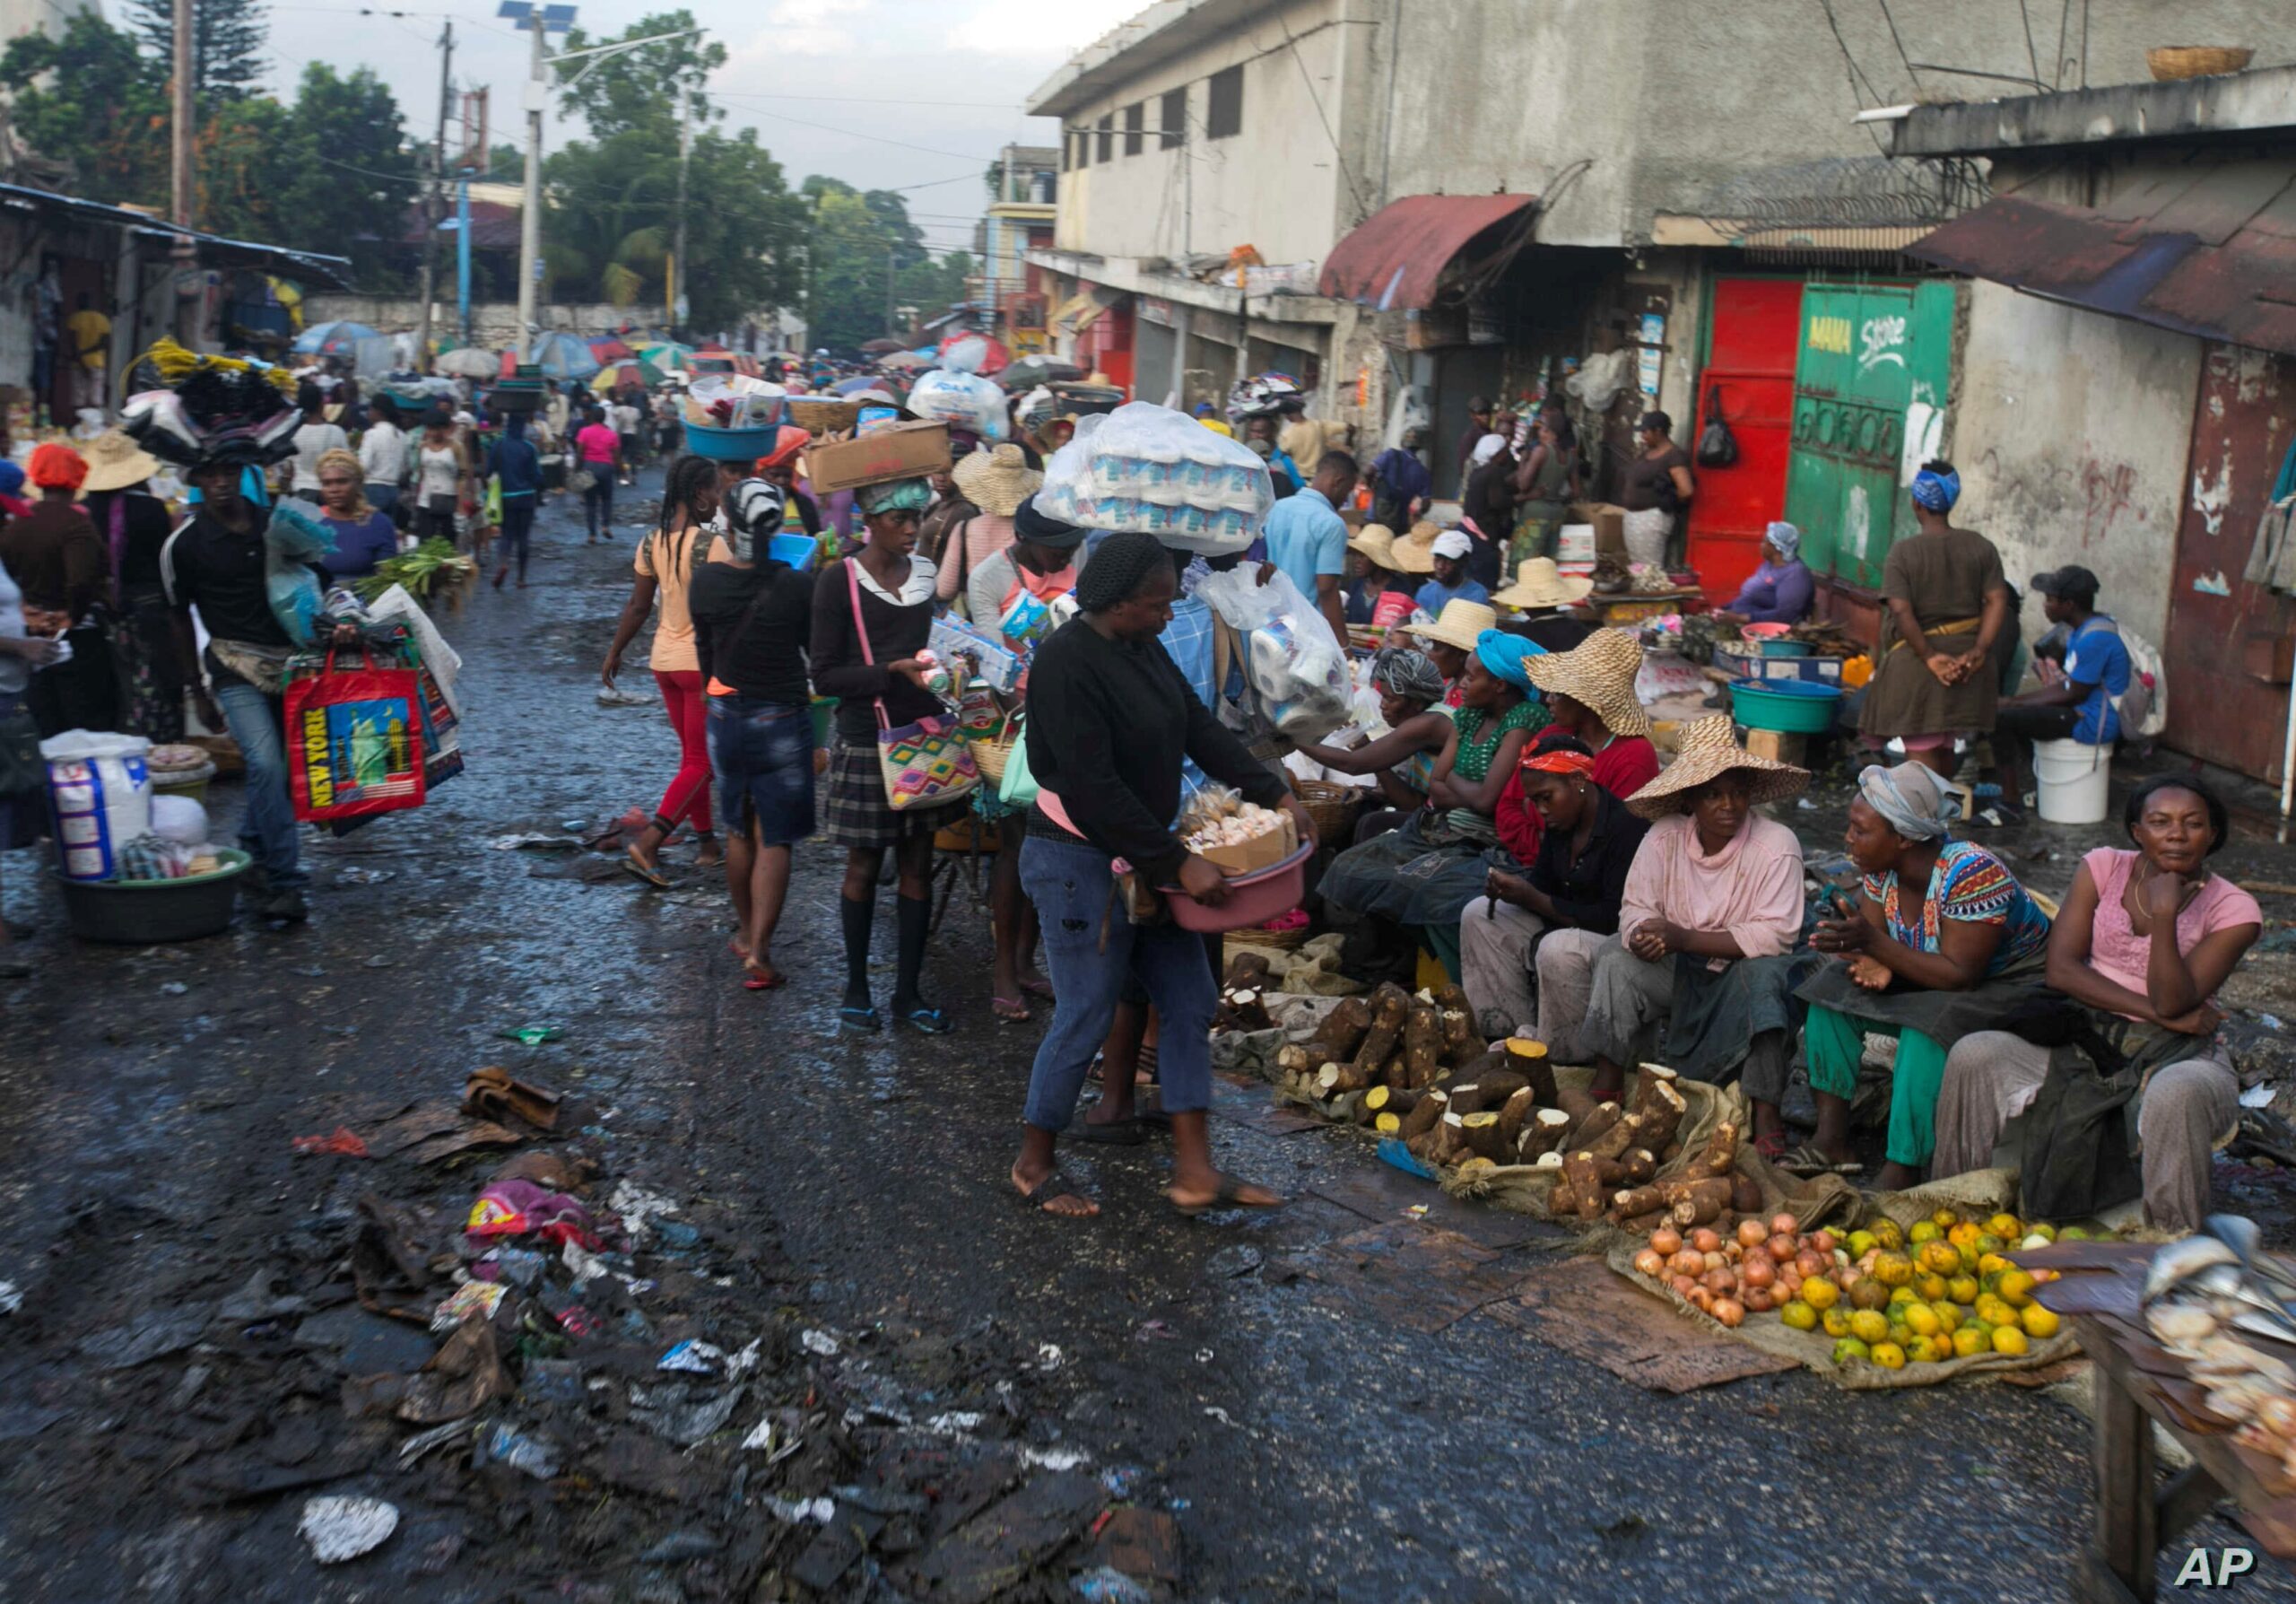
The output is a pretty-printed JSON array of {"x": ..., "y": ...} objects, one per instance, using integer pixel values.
[{"x": 1869, "y": 396}]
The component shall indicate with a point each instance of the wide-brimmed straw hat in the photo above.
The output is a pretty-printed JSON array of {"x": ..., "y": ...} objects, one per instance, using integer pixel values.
[
  {"x": 115, "y": 462},
  {"x": 1416, "y": 551},
  {"x": 1708, "y": 751},
  {"x": 1598, "y": 674},
  {"x": 1460, "y": 624},
  {"x": 996, "y": 480},
  {"x": 1376, "y": 542},
  {"x": 1539, "y": 583}
]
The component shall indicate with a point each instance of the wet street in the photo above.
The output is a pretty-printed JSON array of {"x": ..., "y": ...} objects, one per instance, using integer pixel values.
[{"x": 1333, "y": 1401}]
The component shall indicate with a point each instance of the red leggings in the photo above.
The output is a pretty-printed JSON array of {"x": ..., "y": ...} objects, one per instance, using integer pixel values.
[{"x": 687, "y": 797}]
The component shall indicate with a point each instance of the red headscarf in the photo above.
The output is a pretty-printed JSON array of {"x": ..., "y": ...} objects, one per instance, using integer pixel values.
[
  {"x": 786, "y": 444},
  {"x": 58, "y": 467},
  {"x": 1560, "y": 762}
]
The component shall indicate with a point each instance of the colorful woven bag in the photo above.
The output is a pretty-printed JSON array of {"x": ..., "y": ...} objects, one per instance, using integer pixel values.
[{"x": 926, "y": 763}]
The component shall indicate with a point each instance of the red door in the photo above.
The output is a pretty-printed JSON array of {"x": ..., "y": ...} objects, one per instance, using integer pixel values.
[
  {"x": 1748, "y": 383},
  {"x": 2227, "y": 703}
]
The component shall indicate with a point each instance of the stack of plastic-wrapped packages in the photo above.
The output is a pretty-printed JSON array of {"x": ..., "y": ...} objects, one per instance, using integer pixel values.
[{"x": 1149, "y": 468}]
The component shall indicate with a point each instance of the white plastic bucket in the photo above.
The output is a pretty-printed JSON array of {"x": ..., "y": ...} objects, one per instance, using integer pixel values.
[{"x": 2071, "y": 778}]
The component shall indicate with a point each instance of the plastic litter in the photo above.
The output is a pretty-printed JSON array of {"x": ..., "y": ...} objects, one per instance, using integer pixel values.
[
  {"x": 508, "y": 1445},
  {"x": 819, "y": 1342},
  {"x": 681, "y": 1546},
  {"x": 694, "y": 1358},
  {"x": 1049, "y": 1357},
  {"x": 811, "y": 1511},
  {"x": 338, "y": 1528},
  {"x": 411, "y": 1451},
  {"x": 515, "y": 1207},
  {"x": 683, "y": 1414},
  {"x": 1108, "y": 1585},
  {"x": 534, "y": 1035},
  {"x": 12, "y": 1297},
  {"x": 342, "y": 1140},
  {"x": 954, "y": 1424},
  {"x": 472, "y": 1300},
  {"x": 637, "y": 1208}
]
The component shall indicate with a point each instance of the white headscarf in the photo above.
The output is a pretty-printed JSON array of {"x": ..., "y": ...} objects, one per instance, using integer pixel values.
[{"x": 1487, "y": 448}]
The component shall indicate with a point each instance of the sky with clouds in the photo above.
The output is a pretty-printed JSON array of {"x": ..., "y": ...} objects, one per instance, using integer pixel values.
[{"x": 914, "y": 94}]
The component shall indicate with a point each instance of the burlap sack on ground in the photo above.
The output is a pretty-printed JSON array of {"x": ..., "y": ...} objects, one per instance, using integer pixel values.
[
  {"x": 1813, "y": 1350},
  {"x": 1309, "y": 970}
]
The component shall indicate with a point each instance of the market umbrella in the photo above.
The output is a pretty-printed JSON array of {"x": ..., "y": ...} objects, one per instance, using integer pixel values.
[
  {"x": 1031, "y": 371},
  {"x": 562, "y": 356},
  {"x": 855, "y": 385},
  {"x": 666, "y": 355},
  {"x": 468, "y": 361},
  {"x": 878, "y": 347},
  {"x": 643, "y": 374},
  {"x": 337, "y": 338},
  {"x": 607, "y": 349},
  {"x": 903, "y": 361}
]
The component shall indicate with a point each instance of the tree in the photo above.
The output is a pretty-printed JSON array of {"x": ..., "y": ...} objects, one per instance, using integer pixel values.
[
  {"x": 94, "y": 99},
  {"x": 227, "y": 41},
  {"x": 638, "y": 89}
]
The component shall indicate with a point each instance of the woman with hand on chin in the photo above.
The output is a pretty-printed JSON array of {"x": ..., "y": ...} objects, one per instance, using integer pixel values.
[
  {"x": 1109, "y": 719},
  {"x": 2145, "y": 938}
]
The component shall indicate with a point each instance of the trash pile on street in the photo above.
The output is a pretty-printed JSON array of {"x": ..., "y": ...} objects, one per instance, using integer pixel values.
[{"x": 483, "y": 1353}]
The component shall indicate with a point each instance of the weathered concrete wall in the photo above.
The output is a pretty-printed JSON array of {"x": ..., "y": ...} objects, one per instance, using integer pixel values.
[
  {"x": 1276, "y": 186},
  {"x": 493, "y": 323},
  {"x": 2072, "y": 438}
]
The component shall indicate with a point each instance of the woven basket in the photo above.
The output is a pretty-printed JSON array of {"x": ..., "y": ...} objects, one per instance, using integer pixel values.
[
  {"x": 2171, "y": 63},
  {"x": 989, "y": 757},
  {"x": 1333, "y": 807},
  {"x": 817, "y": 415}
]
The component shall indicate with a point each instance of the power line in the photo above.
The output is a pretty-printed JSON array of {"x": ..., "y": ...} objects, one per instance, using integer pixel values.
[
  {"x": 1900, "y": 43},
  {"x": 2032, "y": 56},
  {"x": 795, "y": 122},
  {"x": 1855, "y": 77}
]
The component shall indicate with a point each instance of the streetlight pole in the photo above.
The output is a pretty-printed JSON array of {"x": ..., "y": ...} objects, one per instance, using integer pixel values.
[
  {"x": 679, "y": 274},
  {"x": 431, "y": 202},
  {"x": 530, "y": 214},
  {"x": 187, "y": 258}
]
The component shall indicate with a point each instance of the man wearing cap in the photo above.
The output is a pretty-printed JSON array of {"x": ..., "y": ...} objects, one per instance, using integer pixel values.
[
  {"x": 1452, "y": 582},
  {"x": 1306, "y": 539},
  {"x": 2083, "y": 705}
]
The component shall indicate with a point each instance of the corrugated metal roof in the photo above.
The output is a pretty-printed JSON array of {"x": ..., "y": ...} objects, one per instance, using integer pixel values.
[
  {"x": 1395, "y": 259},
  {"x": 332, "y": 270},
  {"x": 2214, "y": 257}
]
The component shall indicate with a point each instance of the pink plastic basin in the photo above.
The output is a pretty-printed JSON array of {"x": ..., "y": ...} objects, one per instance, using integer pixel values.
[{"x": 1252, "y": 899}]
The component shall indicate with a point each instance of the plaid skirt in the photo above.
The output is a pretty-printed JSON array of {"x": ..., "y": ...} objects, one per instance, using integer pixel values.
[{"x": 856, "y": 813}]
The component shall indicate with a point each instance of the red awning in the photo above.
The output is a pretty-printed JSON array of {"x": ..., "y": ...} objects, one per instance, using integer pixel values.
[
  {"x": 1394, "y": 259},
  {"x": 2214, "y": 258}
]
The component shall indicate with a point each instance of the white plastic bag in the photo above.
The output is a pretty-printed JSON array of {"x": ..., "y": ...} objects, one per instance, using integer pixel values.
[
  {"x": 1290, "y": 656},
  {"x": 960, "y": 400},
  {"x": 179, "y": 819}
]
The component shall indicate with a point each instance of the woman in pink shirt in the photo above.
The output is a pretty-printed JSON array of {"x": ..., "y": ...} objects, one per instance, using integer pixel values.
[
  {"x": 2145, "y": 940},
  {"x": 599, "y": 450}
]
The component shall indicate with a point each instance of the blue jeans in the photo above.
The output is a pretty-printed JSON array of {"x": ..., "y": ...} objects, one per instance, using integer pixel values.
[
  {"x": 517, "y": 530},
  {"x": 1070, "y": 884},
  {"x": 267, "y": 829},
  {"x": 762, "y": 754}
]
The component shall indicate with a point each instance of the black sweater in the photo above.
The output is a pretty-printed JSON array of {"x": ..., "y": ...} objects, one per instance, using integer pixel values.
[
  {"x": 838, "y": 670},
  {"x": 767, "y": 661},
  {"x": 1587, "y": 895},
  {"x": 1108, "y": 724}
]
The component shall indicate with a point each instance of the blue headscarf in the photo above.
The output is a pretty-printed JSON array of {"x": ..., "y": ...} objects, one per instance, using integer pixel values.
[
  {"x": 1786, "y": 539},
  {"x": 11, "y": 478},
  {"x": 1936, "y": 492},
  {"x": 1506, "y": 655}
]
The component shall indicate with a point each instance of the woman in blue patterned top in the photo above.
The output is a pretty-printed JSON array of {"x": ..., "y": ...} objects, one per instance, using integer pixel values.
[{"x": 1943, "y": 941}]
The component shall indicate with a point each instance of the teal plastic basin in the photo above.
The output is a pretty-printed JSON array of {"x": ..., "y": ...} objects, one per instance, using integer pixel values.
[{"x": 1792, "y": 706}]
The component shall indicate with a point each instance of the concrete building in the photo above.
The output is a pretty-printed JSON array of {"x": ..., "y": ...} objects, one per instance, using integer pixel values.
[
  {"x": 2126, "y": 394},
  {"x": 1404, "y": 205},
  {"x": 1019, "y": 220}
]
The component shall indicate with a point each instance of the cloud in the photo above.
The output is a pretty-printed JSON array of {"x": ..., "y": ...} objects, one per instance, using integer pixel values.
[
  {"x": 798, "y": 28},
  {"x": 1033, "y": 27}
]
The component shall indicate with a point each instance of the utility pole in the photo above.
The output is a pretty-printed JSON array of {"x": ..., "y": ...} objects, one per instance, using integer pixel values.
[
  {"x": 433, "y": 205},
  {"x": 889, "y": 291},
  {"x": 679, "y": 274},
  {"x": 530, "y": 214},
  {"x": 187, "y": 258}
]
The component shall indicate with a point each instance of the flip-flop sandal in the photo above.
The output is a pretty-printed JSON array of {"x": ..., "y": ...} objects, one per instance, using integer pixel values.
[
  {"x": 652, "y": 876},
  {"x": 1039, "y": 1196},
  {"x": 1112, "y": 1133},
  {"x": 1808, "y": 1160},
  {"x": 1010, "y": 1010},
  {"x": 758, "y": 982},
  {"x": 1772, "y": 1147},
  {"x": 860, "y": 1021},
  {"x": 1231, "y": 1195},
  {"x": 933, "y": 1021},
  {"x": 1035, "y": 988}
]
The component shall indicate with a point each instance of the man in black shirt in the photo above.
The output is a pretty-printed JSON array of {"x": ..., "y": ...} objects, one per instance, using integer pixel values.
[{"x": 215, "y": 562}]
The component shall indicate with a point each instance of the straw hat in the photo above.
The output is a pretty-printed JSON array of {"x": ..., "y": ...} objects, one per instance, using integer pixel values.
[
  {"x": 1707, "y": 750},
  {"x": 1461, "y": 624},
  {"x": 1539, "y": 583},
  {"x": 115, "y": 462},
  {"x": 1598, "y": 673},
  {"x": 1416, "y": 551},
  {"x": 1376, "y": 542},
  {"x": 996, "y": 480}
]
